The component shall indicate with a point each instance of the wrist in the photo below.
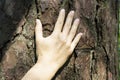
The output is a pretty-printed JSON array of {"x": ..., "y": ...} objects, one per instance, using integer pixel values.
[
  {"x": 47, "y": 61},
  {"x": 47, "y": 65},
  {"x": 47, "y": 68}
]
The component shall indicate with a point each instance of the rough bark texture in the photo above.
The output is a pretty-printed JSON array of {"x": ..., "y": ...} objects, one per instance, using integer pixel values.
[{"x": 95, "y": 57}]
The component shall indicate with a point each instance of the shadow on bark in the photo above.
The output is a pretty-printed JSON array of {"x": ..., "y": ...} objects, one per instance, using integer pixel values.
[{"x": 11, "y": 13}]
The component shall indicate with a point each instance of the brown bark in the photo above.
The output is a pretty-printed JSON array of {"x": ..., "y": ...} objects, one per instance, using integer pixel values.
[{"x": 95, "y": 57}]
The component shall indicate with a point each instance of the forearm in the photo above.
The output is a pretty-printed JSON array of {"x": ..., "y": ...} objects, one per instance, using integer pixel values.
[{"x": 41, "y": 71}]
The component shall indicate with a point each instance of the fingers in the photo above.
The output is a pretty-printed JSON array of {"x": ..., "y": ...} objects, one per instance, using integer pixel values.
[
  {"x": 38, "y": 30},
  {"x": 68, "y": 23},
  {"x": 75, "y": 41},
  {"x": 73, "y": 31},
  {"x": 68, "y": 32},
  {"x": 60, "y": 21}
]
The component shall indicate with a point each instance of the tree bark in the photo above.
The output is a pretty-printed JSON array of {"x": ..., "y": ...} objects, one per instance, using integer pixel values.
[{"x": 95, "y": 57}]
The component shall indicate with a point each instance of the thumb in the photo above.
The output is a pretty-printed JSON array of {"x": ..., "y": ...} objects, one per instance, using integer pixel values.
[{"x": 38, "y": 30}]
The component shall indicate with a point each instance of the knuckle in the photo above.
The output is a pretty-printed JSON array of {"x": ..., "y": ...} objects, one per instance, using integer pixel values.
[
  {"x": 68, "y": 45},
  {"x": 62, "y": 39},
  {"x": 69, "y": 51},
  {"x": 72, "y": 32}
]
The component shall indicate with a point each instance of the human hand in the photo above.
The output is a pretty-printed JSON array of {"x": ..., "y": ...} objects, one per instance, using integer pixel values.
[{"x": 56, "y": 48}]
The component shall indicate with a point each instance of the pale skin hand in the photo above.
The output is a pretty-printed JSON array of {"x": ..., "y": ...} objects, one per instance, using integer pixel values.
[{"x": 54, "y": 50}]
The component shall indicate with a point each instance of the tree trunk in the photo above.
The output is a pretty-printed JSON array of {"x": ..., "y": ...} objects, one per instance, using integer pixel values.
[{"x": 95, "y": 57}]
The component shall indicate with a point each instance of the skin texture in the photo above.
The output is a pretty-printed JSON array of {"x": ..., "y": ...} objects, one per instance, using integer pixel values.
[{"x": 54, "y": 50}]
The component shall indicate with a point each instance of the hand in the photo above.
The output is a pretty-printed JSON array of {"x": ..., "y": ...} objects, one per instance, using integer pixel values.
[
  {"x": 53, "y": 51},
  {"x": 56, "y": 48}
]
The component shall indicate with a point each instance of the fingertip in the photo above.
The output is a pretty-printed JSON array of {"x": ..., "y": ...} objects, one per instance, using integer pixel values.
[
  {"x": 37, "y": 21},
  {"x": 62, "y": 10},
  {"x": 72, "y": 11},
  {"x": 77, "y": 38},
  {"x": 78, "y": 20},
  {"x": 80, "y": 34}
]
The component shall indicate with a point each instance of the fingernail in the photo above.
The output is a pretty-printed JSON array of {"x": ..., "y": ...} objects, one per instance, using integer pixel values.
[
  {"x": 37, "y": 20},
  {"x": 72, "y": 12},
  {"x": 62, "y": 10},
  {"x": 80, "y": 34},
  {"x": 77, "y": 20}
]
